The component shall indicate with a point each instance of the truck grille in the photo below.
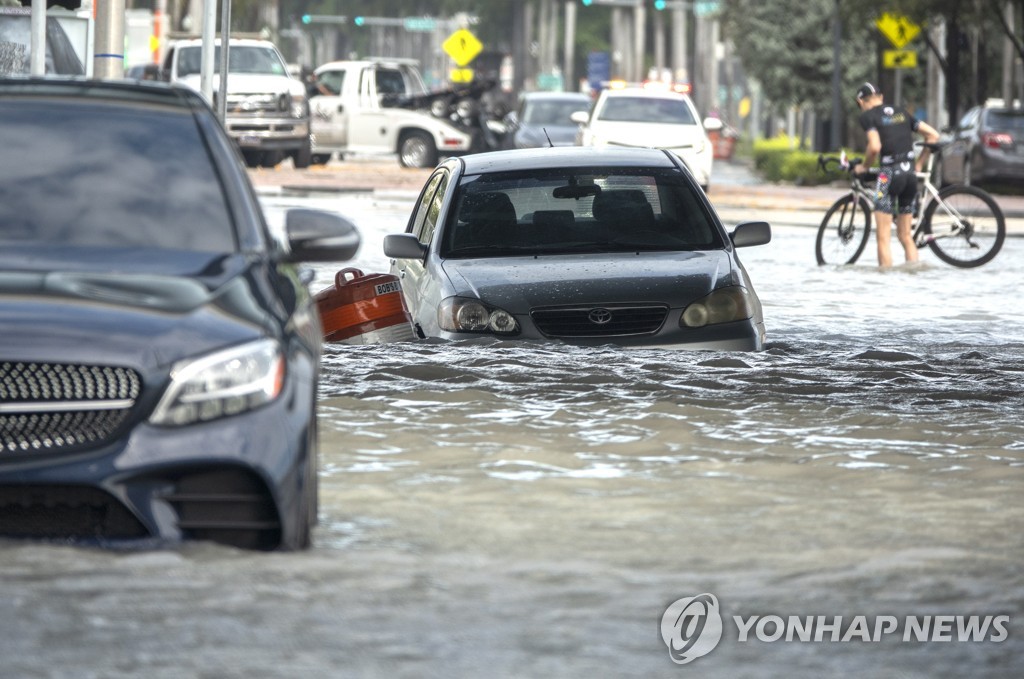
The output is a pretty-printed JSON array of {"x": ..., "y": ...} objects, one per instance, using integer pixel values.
[
  {"x": 256, "y": 104},
  {"x": 599, "y": 321},
  {"x": 52, "y": 407}
]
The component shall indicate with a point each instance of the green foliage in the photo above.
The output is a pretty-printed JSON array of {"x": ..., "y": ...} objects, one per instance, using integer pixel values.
[{"x": 779, "y": 159}]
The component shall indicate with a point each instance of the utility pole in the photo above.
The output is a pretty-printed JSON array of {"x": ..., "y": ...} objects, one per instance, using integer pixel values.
[{"x": 108, "y": 61}]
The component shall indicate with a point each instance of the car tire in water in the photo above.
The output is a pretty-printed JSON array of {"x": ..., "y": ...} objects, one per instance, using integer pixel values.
[
  {"x": 417, "y": 149},
  {"x": 986, "y": 227},
  {"x": 844, "y": 231}
]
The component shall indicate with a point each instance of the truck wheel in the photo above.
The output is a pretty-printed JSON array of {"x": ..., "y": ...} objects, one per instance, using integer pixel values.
[
  {"x": 320, "y": 158},
  {"x": 417, "y": 149},
  {"x": 304, "y": 156},
  {"x": 252, "y": 158}
]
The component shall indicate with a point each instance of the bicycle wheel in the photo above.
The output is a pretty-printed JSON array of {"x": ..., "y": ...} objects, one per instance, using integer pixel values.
[
  {"x": 844, "y": 232},
  {"x": 968, "y": 231}
]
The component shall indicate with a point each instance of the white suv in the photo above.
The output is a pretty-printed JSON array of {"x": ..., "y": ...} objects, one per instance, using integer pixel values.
[{"x": 641, "y": 117}]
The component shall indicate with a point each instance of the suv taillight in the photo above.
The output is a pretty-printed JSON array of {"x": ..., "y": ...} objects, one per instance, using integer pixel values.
[{"x": 996, "y": 140}]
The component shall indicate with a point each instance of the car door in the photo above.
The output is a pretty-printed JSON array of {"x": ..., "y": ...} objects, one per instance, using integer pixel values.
[
  {"x": 329, "y": 119},
  {"x": 955, "y": 156},
  {"x": 373, "y": 128},
  {"x": 422, "y": 279}
]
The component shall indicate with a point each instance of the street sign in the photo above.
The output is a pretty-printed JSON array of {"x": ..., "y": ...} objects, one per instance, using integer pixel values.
[
  {"x": 462, "y": 46},
  {"x": 898, "y": 29},
  {"x": 899, "y": 58},
  {"x": 461, "y": 75}
]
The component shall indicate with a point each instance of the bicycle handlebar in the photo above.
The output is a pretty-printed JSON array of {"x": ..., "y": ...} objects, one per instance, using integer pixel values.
[{"x": 825, "y": 161}]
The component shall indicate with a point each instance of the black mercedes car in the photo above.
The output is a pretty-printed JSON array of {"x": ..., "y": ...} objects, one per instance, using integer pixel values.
[{"x": 159, "y": 349}]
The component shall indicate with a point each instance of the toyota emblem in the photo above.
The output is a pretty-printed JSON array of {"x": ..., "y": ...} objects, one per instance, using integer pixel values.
[{"x": 600, "y": 316}]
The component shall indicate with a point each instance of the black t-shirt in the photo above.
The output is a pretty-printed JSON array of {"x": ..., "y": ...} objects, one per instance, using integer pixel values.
[{"x": 896, "y": 129}]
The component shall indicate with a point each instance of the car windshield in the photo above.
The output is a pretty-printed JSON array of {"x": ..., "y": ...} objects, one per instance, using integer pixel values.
[
  {"x": 1006, "y": 120},
  {"x": 576, "y": 210},
  {"x": 241, "y": 58},
  {"x": 646, "y": 110},
  {"x": 112, "y": 178},
  {"x": 552, "y": 111}
]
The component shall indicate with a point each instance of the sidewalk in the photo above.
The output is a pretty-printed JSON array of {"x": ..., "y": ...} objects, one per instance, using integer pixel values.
[{"x": 736, "y": 191}]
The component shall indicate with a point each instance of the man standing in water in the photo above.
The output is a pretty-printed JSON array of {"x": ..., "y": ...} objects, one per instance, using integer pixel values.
[{"x": 890, "y": 138}]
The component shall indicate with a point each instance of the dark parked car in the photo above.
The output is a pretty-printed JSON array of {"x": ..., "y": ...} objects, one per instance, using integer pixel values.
[
  {"x": 987, "y": 146},
  {"x": 159, "y": 350},
  {"x": 579, "y": 245},
  {"x": 542, "y": 119}
]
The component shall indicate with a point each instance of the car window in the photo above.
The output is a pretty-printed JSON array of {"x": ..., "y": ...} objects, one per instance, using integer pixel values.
[
  {"x": 419, "y": 218},
  {"x": 591, "y": 210},
  {"x": 390, "y": 81},
  {"x": 241, "y": 59},
  {"x": 551, "y": 112},
  {"x": 332, "y": 80},
  {"x": 1006, "y": 120},
  {"x": 433, "y": 211},
  {"x": 134, "y": 179},
  {"x": 646, "y": 110}
]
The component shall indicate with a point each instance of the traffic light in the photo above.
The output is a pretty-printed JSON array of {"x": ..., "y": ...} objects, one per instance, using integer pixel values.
[
  {"x": 588, "y": 3},
  {"x": 306, "y": 18},
  {"x": 359, "y": 21},
  {"x": 659, "y": 4}
]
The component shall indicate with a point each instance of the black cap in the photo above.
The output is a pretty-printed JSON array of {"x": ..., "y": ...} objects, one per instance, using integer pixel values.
[{"x": 866, "y": 90}]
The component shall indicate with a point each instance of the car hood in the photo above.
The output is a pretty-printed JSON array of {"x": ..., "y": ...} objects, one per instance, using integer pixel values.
[
  {"x": 143, "y": 320},
  {"x": 250, "y": 83},
  {"x": 518, "y": 284},
  {"x": 663, "y": 136}
]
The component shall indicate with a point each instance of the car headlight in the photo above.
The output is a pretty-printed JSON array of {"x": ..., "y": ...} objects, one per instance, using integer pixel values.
[
  {"x": 223, "y": 383},
  {"x": 724, "y": 305},
  {"x": 461, "y": 314},
  {"x": 299, "y": 106}
]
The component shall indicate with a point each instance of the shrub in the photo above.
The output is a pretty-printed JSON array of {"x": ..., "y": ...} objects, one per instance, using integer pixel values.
[{"x": 779, "y": 160}]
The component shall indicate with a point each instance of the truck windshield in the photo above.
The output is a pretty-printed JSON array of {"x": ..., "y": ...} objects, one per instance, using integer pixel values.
[{"x": 241, "y": 58}]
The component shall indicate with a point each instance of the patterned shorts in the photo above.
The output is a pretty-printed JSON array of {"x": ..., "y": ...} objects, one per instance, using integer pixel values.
[{"x": 896, "y": 189}]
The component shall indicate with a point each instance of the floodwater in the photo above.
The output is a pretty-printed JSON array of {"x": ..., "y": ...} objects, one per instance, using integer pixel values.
[{"x": 490, "y": 509}]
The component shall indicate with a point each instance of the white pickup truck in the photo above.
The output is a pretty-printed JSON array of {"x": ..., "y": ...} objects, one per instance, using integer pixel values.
[
  {"x": 267, "y": 111},
  {"x": 379, "y": 106}
]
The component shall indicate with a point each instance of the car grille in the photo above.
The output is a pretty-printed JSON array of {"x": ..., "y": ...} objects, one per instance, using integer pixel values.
[
  {"x": 65, "y": 513},
  {"x": 53, "y": 407},
  {"x": 255, "y": 104},
  {"x": 600, "y": 321}
]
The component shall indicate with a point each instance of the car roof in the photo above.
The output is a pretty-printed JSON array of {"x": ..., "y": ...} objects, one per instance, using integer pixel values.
[
  {"x": 653, "y": 93},
  {"x": 546, "y": 158},
  {"x": 128, "y": 91},
  {"x": 555, "y": 95},
  {"x": 232, "y": 42}
]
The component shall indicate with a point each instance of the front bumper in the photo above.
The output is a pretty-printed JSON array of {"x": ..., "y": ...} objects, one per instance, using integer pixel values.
[
  {"x": 261, "y": 133},
  {"x": 237, "y": 481}
]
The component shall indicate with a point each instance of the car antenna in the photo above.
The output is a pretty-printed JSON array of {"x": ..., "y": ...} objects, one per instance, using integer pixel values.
[{"x": 550, "y": 145}]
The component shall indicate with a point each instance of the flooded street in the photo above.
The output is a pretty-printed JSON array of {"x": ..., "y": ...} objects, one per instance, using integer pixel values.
[{"x": 490, "y": 509}]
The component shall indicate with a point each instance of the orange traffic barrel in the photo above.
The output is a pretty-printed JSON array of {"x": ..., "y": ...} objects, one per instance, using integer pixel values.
[{"x": 364, "y": 309}]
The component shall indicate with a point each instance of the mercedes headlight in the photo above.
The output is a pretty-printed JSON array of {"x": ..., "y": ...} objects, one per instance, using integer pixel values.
[
  {"x": 461, "y": 314},
  {"x": 223, "y": 383},
  {"x": 724, "y": 305}
]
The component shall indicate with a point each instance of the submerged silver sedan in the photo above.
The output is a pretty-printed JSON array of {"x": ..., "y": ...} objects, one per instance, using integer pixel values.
[{"x": 580, "y": 245}]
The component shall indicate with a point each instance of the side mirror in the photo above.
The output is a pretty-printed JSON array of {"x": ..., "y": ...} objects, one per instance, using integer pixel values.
[
  {"x": 319, "y": 236},
  {"x": 404, "y": 246},
  {"x": 751, "y": 233},
  {"x": 580, "y": 117},
  {"x": 712, "y": 124}
]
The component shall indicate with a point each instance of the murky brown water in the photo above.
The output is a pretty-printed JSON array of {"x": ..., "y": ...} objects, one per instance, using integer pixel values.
[{"x": 496, "y": 510}]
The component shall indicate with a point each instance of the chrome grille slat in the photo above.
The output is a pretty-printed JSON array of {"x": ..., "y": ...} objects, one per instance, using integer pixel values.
[{"x": 51, "y": 407}]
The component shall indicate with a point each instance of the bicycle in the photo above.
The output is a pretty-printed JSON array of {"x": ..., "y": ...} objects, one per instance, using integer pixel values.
[{"x": 962, "y": 225}]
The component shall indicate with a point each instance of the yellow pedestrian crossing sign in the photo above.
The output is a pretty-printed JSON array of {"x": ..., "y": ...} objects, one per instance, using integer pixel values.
[
  {"x": 899, "y": 29},
  {"x": 899, "y": 58},
  {"x": 462, "y": 46}
]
